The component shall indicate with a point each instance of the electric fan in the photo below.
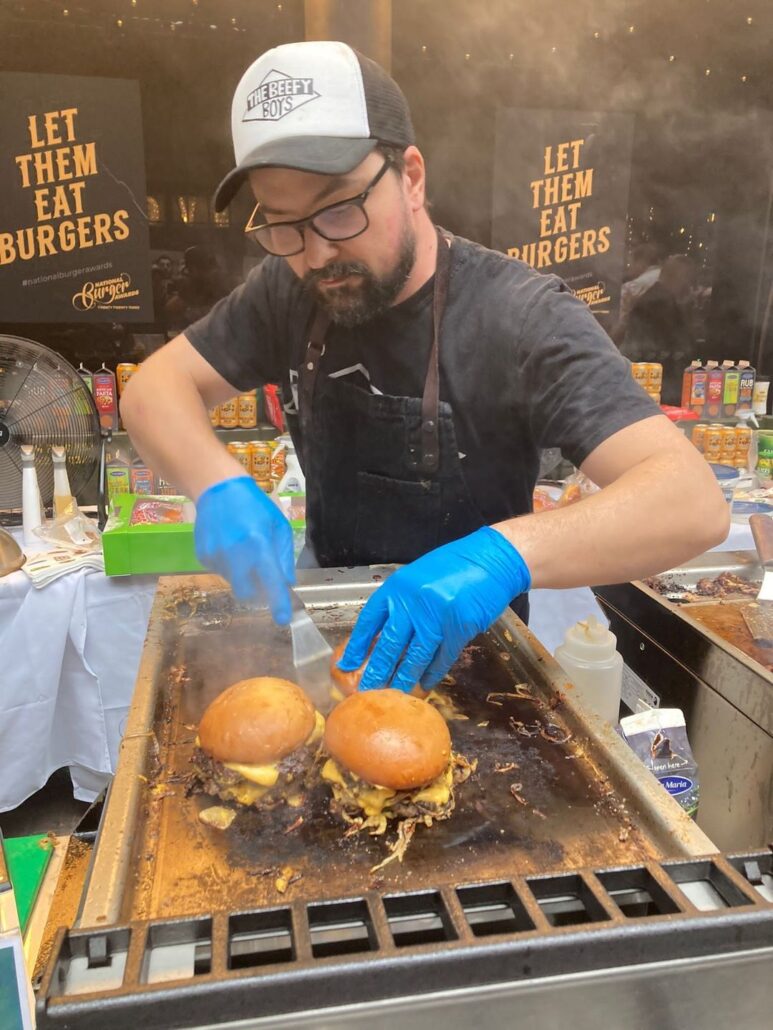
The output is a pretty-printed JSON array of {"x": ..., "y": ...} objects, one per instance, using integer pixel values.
[{"x": 44, "y": 402}]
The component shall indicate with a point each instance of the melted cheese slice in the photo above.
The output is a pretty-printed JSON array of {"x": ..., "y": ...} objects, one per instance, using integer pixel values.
[
  {"x": 319, "y": 729},
  {"x": 437, "y": 793},
  {"x": 332, "y": 773},
  {"x": 245, "y": 793},
  {"x": 263, "y": 775}
]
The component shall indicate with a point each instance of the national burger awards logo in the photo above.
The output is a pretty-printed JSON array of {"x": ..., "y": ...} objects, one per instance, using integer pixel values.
[
  {"x": 278, "y": 95},
  {"x": 106, "y": 294}
]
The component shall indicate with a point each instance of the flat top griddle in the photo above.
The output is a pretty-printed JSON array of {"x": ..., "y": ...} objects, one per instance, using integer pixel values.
[{"x": 583, "y": 798}]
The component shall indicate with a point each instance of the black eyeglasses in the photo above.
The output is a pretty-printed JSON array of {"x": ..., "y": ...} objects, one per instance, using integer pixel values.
[{"x": 340, "y": 221}]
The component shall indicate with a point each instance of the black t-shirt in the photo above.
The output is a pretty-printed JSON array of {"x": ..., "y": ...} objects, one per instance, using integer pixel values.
[{"x": 524, "y": 364}]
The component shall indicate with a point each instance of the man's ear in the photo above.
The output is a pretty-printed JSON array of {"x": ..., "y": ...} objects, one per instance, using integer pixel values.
[{"x": 414, "y": 176}]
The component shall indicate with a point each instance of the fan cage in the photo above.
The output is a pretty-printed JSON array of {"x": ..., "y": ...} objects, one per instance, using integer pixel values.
[{"x": 44, "y": 402}]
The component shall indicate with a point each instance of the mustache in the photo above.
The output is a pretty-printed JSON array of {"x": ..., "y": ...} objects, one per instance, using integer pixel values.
[{"x": 335, "y": 270}]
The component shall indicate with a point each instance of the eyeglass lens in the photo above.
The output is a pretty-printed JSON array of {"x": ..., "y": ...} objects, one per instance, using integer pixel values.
[{"x": 336, "y": 223}]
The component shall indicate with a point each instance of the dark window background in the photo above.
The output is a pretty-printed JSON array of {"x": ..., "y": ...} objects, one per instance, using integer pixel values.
[{"x": 696, "y": 73}]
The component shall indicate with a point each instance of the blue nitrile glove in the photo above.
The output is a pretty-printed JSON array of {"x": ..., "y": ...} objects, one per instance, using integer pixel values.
[
  {"x": 244, "y": 537},
  {"x": 427, "y": 611}
]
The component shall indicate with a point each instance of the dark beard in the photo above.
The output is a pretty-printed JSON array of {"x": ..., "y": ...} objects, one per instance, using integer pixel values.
[{"x": 352, "y": 305}]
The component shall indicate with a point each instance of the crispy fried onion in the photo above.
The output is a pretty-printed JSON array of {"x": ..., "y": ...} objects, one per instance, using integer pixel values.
[{"x": 367, "y": 807}]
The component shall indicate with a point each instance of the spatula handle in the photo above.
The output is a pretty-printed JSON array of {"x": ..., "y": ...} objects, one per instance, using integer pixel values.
[{"x": 762, "y": 531}]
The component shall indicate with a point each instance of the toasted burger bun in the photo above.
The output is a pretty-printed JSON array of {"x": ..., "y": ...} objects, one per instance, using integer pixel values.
[
  {"x": 349, "y": 682},
  {"x": 257, "y": 721},
  {"x": 389, "y": 738}
]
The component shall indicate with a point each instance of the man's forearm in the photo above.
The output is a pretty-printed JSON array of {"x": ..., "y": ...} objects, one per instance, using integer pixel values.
[
  {"x": 167, "y": 420},
  {"x": 654, "y": 516}
]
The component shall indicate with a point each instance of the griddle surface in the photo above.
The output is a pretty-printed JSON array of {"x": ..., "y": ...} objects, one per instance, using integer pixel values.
[{"x": 572, "y": 816}]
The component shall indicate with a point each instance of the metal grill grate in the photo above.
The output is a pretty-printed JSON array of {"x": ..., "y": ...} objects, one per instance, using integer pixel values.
[{"x": 304, "y": 956}]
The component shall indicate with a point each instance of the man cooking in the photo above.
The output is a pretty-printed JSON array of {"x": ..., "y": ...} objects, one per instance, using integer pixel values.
[{"x": 421, "y": 375}]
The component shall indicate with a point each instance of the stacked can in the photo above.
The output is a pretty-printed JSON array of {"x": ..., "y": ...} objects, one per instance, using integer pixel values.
[
  {"x": 229, "y": 414},
  {"x": 649, "y": 375},
  {"x": 712, "y": 442},
  {"x": 247, "y": 410},
  {"x": 240, "y": 451},
  {"x": 260, "y": 464},
  {"x": 698, "y": 436},
  {"x": 727, "y": 453},
  {"x": 214, "y": 417},
  {"x": 743, "y": 442}
]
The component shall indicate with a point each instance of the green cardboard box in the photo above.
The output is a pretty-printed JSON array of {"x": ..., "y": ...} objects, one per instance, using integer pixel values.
[{"x": 147, "y": 534}]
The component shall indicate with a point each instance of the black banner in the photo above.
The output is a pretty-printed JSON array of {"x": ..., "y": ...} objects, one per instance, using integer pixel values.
[
  {"x": 73, "y": 232},
  {"x": 561, "y": 197}
]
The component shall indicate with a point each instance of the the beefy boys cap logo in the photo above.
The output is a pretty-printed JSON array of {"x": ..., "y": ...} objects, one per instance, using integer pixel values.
[{"x": 277, "y": 95}]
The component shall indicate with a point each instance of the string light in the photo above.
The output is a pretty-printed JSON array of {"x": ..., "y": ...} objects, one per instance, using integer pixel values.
[
  {"x": 750, "y": 21},
  {"x": 672, "y": 58},
  {"x": 707, "y": 72},
  {"x": 119, "y": 23},
  {"x": 424, "y": 49},
  {"x": 554, "y": 50},
  {"x": 466, "y": 57},
  {"x": 632, "y": 28},
  {"x": 510, "y": 57},
  {"x": 65, "y": 12},
  {"x": 744, "y": 78},
  {"x": 596, "y": 35}
]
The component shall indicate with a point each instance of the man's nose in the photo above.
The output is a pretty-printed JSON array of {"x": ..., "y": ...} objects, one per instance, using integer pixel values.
[{"x": 318, "y": 251}]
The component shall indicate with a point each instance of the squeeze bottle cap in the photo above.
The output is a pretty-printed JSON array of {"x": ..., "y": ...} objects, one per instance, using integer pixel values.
[{"x": 590, "y": 640}]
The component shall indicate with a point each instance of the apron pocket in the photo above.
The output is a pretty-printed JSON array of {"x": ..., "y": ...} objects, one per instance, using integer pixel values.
[{"x": 398, "y": 520}]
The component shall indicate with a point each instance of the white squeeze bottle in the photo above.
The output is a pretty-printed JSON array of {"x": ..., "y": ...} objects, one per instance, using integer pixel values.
[
  {"x": 32, "y": 507},
  {"x": 293, "y": 480},
  {"x": 590, "y": 659},
  {"x": 64, "y": 502}
]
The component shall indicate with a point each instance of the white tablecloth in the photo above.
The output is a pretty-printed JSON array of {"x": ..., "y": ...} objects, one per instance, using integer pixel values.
[{"x": 69, "y": 653}]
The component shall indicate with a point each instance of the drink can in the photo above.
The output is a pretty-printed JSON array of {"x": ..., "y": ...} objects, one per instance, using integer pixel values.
[
  {"x": 743, "y": 440},
  {"x": 639, "y": 373},
  {"x": 655, "y": 395},
  {"x": 240, "y": 451},
  {"x": 699, "y": 435},
  {"x": 123, "y": 374},
  {"x": 229, "y": 414},
  {"x": 654, "y": 376},
  {"x": 712, "y": 443},
  {"x": 266, "y": 485},
  {"x": 728, "y": 445},
  {"x": 214, "y": 416},
  {"x": 260, "y": 463},
  {"x": 247, "y": 410}
]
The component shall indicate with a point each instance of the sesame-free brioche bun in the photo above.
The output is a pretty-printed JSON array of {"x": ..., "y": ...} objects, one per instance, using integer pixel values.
[
  {"x": 349, "y": 682},
  {"x": 389, "y": 739},
  {"x": 256, "y": 721}
]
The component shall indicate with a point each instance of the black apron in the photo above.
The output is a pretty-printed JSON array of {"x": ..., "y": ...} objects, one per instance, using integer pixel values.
[{"x": 384, "y": 481}]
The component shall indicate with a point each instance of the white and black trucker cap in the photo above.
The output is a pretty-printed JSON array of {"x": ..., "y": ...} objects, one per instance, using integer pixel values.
[{"x": 316, "y": 106}]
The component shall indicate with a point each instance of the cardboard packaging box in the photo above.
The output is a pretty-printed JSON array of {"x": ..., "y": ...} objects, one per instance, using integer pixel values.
[{"x": 149, "y": 535}]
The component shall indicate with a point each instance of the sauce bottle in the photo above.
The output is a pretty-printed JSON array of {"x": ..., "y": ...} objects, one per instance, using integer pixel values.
[
  {"x": 117, "y": 476},
  {"x": 714, "y": 389},
  {"x": 590, "y": 659},
  {"x": 106, "y": 397},
  {"x": 687, "y": 382},
  {"x": 730, "y": 392},
  {"x": 698, "y": 382},
  {"x": 746, "y": 385}
]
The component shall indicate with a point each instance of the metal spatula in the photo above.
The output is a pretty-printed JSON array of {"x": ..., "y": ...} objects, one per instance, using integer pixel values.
[
  {"x": 311, "y": 654},
  {"x": 759, "y": 617}
]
